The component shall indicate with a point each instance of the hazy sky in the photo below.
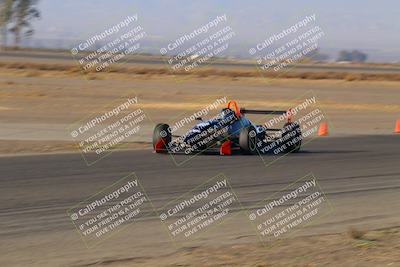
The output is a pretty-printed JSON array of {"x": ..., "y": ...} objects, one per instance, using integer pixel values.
[{"x": 367, "y": 24}]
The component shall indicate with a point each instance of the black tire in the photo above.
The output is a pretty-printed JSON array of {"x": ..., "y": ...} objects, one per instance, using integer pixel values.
[
  {"x": 161, "y": 132},
  {"x": 248, "y": 140},
  {"x": 291, "y": 133}
]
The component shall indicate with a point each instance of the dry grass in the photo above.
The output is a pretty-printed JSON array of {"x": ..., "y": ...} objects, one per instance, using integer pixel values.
[
  {"x": 34, "y": 69},
  {"x": 355, "y": 233}
]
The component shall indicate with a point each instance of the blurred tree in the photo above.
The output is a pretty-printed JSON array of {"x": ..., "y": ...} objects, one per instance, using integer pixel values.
[
  {"x": 358, "y": 56},
  {"x": 316, "y": 55},
  {"x": 344, "y": 56},
  {"x": 24, "y": 12},
  {"x": 6, "y": 12},
  {"x": 353, "y": 56}
]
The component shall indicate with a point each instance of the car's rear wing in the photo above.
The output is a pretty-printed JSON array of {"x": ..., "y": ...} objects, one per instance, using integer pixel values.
[{"x": 265, "y": 112}]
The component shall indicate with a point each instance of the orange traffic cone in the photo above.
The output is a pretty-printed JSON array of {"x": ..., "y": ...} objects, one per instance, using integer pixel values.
[
  {"x": 323, "y": 129},
  {"x": 397, "y": 127}
]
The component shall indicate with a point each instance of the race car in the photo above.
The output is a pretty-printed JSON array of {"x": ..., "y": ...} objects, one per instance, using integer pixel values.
[{"x": 231, "y": 132}]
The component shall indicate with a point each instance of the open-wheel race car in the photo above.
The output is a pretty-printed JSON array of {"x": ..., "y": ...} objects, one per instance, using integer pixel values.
[{"x": 231, "y": 132}]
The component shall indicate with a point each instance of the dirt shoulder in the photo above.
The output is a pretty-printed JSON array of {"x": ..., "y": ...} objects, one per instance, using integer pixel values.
[
  {"x": 354, "y": 248},
  {"x": 44, "y": 69},
  {"x": 21, "y": 147},
  {"x": 37, "y": 106}
]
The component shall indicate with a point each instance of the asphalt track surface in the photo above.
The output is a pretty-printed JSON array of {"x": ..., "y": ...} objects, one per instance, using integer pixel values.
[{"x": 360, "y": 175}]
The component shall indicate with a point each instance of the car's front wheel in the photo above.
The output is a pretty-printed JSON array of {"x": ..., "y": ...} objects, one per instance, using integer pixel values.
[{"x": 248, "y": 140}]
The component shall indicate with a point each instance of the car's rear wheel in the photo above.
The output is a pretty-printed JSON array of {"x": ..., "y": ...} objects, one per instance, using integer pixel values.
[
  {"x": 161, "y": 138},
  {"x": 248, "y": 140},
  {"x": 291, "y": 134}
]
